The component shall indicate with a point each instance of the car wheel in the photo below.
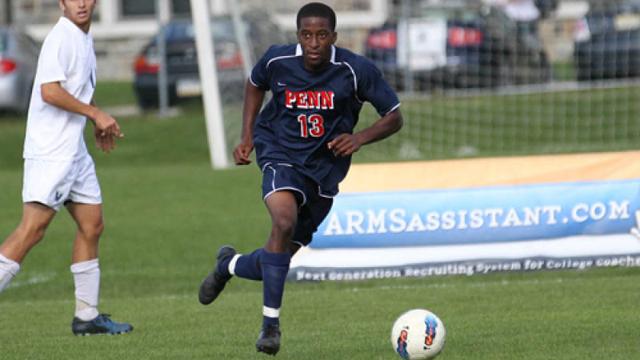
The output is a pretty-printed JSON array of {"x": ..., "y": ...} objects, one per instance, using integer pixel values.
[
  {"x": 147, "y": 99},
  {"x": 583, "y": 74},
  {"x": 506, "y": 75}
]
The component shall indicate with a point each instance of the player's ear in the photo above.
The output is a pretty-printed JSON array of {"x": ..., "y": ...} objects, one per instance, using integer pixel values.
[
  {"x": 61, "y": 3},
  {"x": 335, "y": 37}
]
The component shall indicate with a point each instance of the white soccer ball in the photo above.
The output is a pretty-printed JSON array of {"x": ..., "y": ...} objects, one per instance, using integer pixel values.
[{"x": 418, "y": 334}]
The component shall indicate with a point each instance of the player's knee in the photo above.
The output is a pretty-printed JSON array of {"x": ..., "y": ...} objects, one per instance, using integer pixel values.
[
  {"x": 98, "y": 229},
  {"x": 284, "y": 227},
  {"x": 92, "y": 231}
]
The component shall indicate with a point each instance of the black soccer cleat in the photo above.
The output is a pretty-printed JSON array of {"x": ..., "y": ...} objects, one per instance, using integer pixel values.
[
  {"x": 269, "y": 340},
  {"x": 99, "y": 326},
  {"x": 213, "y": 284}
]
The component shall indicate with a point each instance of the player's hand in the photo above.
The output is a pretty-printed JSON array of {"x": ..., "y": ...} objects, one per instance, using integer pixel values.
[
  {"x": 107, "y": 124},
  {"x": 104, "y": 141},
  {"x": 106, "y": 130},
  {"x": 241, "y": 153},
  {"x": 344, "y": 145}
]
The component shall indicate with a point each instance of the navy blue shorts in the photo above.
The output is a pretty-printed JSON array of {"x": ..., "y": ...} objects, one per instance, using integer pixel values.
[{"x": 312, "y": 206}]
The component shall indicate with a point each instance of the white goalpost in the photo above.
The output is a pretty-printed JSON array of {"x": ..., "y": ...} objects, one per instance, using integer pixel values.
[{"x": 209, "y": 79}]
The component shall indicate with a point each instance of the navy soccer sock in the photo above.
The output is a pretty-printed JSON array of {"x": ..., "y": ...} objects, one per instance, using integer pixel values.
[
  {"x": 274, "y": 273},
  {"x": 224, "y": 266},
  {"x": 246, "y": 266}
]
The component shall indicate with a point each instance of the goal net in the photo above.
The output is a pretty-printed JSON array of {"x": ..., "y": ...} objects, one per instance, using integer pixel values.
[{"x": 474, "y": 82}]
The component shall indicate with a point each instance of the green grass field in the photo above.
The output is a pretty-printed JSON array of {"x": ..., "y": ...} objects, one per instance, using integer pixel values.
[{"x": 167, "y": 212}]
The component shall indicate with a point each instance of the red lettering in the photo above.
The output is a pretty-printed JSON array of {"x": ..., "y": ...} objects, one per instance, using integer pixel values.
[
  {"x": 309, "y": 99},
  {"x": 327, "y": 99},
  {"x": 313, "y": 99},
  {"x": 290, "y": 98},
  {"x": 301, "y": 98},
  {"x": 317, "y": 125}
]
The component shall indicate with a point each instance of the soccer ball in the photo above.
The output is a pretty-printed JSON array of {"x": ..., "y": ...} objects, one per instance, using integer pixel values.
[{"x": 418, "y": 334}]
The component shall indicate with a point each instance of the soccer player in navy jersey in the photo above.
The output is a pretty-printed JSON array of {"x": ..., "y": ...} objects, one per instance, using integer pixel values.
[{"x": 304, "y": 139}]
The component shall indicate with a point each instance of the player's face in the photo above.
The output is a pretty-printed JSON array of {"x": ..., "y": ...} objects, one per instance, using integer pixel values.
[
  {"x": 316, "y": 39},
  {"x": 79, "y": 12}
]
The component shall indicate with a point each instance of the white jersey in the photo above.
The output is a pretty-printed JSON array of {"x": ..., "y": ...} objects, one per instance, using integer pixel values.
[{"x": 67, "y": 56}]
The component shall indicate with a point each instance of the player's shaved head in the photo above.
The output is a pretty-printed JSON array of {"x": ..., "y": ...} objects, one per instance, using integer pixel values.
[{"x": 316, "y": 9}]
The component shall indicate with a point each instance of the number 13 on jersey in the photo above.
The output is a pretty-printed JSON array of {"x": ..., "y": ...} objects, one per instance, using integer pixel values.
[{"x": 312, "y": 125}]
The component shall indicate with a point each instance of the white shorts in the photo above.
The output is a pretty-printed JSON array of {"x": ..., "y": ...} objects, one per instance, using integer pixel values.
[{"x": 53, "y": 183}]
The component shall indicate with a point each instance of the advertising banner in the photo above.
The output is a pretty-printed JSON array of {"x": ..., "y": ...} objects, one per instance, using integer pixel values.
[
  {"x": 479, "y": 215},
  {"x": 475, "y": 230}
]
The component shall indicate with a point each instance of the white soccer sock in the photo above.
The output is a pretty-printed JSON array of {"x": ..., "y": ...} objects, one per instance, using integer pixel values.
[
  {"x": 8, "y": 269},
  {"x": 232, "y": 264},
  {"x": 86, "y": 276}
]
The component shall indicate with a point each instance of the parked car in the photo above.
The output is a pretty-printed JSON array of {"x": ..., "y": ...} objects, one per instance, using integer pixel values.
[
  {"x": 18, "y": 62},
  {"x": 607, "y": 42},
  {"x": 546, "y": 7},
  {"x": 478, "y": 46},
  {"x": 182, "y": 61}
]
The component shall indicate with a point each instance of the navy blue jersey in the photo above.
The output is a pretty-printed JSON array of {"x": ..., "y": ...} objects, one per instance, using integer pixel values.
[{"x": 309, "y": 109}]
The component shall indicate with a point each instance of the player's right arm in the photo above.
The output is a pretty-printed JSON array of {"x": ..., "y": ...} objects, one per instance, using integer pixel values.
[
  {"x": 54, "y": 94},
  {"x": 253, "y": 97}
]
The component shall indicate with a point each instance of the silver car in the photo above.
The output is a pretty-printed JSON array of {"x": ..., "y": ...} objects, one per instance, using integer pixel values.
[{"x": 18, "y": 62}]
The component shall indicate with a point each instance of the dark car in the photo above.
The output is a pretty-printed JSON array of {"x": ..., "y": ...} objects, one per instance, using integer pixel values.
[
  {"x": 479, "y": 47},
  {"x": 607, "y": 42},
  {"x": 18, "y": 62},
  {"x": 182, "y": 60}
]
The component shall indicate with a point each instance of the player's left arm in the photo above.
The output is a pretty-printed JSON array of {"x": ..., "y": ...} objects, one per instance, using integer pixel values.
[
  {"x": 347, "y": 144},
  {"x": 373, "y": 88}
]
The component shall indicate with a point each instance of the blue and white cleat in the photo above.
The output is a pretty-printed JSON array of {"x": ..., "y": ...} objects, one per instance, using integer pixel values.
[{"x": 101, "y": 325}]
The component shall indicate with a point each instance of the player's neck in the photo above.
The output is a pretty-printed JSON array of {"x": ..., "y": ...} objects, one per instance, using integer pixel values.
[
  {"x": 317, "y": 68},
  {"x": 84, "y": 27}
]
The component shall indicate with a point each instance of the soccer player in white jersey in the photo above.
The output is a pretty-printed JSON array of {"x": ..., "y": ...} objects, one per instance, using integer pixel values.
[{"x": 58, "y": 169}]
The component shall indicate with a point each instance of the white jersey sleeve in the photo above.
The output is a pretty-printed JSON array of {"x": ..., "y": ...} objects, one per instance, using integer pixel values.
[{"x": 54, "y": 61}]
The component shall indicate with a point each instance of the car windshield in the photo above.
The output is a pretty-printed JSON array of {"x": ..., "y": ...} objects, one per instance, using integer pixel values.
[
  {"x": 614, "y": 17},
  {"x": 221, "y": 29},
  {"x": 455, "y": 13},
  {"x": 604, "y": 7}
]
